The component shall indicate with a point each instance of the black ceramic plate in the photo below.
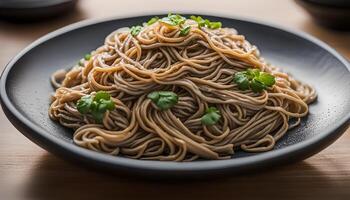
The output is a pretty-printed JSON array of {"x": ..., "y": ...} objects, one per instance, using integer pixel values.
[{"x": 25, "y": 91}]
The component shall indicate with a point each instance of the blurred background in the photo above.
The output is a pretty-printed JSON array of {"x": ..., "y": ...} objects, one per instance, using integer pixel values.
[
  {"x": 23, "y": 21},
  {"x": 32, "y": 173}
]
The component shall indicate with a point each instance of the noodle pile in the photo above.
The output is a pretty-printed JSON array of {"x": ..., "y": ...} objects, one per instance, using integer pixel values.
[{"x": 198, "y": 67}]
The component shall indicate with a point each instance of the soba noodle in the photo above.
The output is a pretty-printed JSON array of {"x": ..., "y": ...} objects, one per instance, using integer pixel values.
[{"x": 199, "y": 68}]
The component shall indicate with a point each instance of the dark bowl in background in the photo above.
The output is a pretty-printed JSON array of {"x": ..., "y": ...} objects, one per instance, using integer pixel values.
[
  {"x": 334, "y": 3},
  {"x": 34, "y": 10},
  {"x": 334, "y": 14}
]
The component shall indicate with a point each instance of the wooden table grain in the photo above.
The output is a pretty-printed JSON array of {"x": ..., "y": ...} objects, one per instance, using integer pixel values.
[{"x": 29, "y": 172}]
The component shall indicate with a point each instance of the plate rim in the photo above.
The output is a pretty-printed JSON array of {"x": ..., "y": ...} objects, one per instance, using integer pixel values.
[{"x": 58, "y": 146}]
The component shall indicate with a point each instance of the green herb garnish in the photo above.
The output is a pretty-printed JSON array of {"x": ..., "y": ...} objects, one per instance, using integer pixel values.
[
  {"x": 254, "y": 79},
  {"x": 83, "y": 105},
  {"x": 135, "y": 30},
  {"x": 177, "y": 20},
  {"x": 214, "y": 25},
  {"x": 211, "y": 117},
  {"x": 87, "y": 56},
  {"x": 152, "y": 21},
  {"x": 163, "y": 99},
  {"x": 198, "y": 19},
  {"x": 266, "y": 78},
  {"x": 206, "y": 23},
  {"x": 173, "y": 20},
  {"x": 185, "y": 30},
  {"x": 97, "y": 106}
]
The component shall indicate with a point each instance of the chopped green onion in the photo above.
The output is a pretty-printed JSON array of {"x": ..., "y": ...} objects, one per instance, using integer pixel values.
[
  {"x": 173, "y": 20},
  {"x": 214, "y": 25},
  {"x": 185, "y": 30},
  {"x": 87, "y": 56},
  {"x": 197, "y": 19},
  {"x": 206, "y": 23},
  {"x": 166, "y": 20},
  {"x": 152, "y": 21},
  {"x": 135, "y": 30}
]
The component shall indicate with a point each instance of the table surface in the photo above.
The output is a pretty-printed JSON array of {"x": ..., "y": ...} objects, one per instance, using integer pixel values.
[{"x": 29, "y": 172}]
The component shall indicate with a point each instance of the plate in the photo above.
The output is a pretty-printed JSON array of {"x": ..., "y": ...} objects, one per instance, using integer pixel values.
[{"x": 25, "y": 91}]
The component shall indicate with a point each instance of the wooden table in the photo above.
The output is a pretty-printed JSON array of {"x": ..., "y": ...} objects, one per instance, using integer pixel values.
[{"x": 29, "y": 172}]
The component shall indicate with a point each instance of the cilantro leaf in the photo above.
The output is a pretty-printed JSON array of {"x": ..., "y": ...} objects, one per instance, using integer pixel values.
[
  {"x": 96, "y": 106},
  {"x": 253, "y": 73},
  {"x": 254, "y": 79},
  {"x": 108, "y": 103},
  {"x": 242, "y": 81},
  {"x": 98, "y": 116},
  {"x": 163, "y": 99},
  {"x": 102, "y": 95},
  {"x": 211, "y": 116},
  {"x": 84, "y": 103},
  {"x": 257, "y": 86},
  {"x": 267, "y": 79}
]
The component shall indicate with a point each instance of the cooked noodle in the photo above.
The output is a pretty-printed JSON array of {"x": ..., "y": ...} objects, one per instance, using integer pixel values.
[{"x": 199, "y": 68}]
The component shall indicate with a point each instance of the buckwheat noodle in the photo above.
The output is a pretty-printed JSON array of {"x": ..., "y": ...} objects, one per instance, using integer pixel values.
[{"x": 199, "y": 68}]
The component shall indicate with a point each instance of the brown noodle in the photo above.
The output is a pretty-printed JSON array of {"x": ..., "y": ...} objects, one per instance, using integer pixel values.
[{"x": 198, "y": 67}]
